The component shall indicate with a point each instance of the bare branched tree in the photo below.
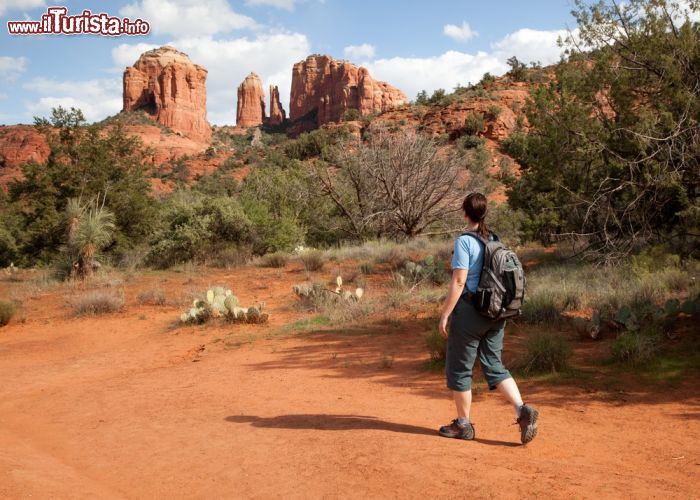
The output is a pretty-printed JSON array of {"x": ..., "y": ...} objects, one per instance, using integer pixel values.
[{"x": 398, "y": 184}]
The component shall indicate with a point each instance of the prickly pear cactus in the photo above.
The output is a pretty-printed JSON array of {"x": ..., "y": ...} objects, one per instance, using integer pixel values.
[{"x": 220, "y": 302}]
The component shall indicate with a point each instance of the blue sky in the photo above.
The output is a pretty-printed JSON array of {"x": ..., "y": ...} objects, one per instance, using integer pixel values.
[{"x": 411, "y": 44}]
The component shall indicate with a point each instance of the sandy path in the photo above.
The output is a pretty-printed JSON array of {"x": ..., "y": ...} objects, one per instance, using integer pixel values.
[{"x": 118, "y": 407}]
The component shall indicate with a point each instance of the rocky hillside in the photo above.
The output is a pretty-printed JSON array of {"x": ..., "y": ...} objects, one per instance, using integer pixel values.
[{"x": 165, "y": 106}]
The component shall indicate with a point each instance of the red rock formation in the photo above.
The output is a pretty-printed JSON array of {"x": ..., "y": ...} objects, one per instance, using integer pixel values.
[
  {"x": 168, "y": 86},
  {"x": 251, "y": 102},
  {"x": 20, "y": 144},
  {"x": 331, "y": 87},
  {"x": 277, "y": 114}
]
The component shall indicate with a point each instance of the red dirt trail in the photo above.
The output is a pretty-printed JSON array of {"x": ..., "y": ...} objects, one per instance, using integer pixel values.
[{"x": 126, "y": 406}]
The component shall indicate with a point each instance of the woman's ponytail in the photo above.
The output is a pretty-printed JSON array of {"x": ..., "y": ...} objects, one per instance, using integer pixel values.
[{"x": 474, "y": 207}]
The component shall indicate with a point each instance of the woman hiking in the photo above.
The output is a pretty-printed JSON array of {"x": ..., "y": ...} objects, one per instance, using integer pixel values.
[{"x": 471, "y": 334}]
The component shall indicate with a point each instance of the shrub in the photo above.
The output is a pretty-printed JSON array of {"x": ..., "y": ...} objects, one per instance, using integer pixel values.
[
  {"x": 366, "y": 268},
  {"x": 487, "y": 79},
  {"x": 276, "y": 259},
  {"x": 7, "y": 311},
  {"x": 540, "y": 308},
  {"x": 494, "y": 111},
  {"x": 546, "y": 352},
  {"x": 470, "y": 141},
  {"x": 351, "y": 114},
  {"x": 152, "y": 298},
  {"x": 437, "y": 346},
  {"x": 313, "y": 260},
  {"x": 634, "y": 347},
  {"x": 474, "y": 123},
  {"x": 98, "y": 302}
]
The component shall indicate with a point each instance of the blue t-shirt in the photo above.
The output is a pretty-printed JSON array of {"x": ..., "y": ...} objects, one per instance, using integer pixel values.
[{"x": 469, "y": 254}]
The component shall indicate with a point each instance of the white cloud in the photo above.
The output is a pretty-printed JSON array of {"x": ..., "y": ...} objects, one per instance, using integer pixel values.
[
  {"x": 459, "y": 33},
  {"x": 364, "y": 51},
  {"x": 229, "y": 61},
  {"x": 413, "y": 74},
  {"x": 96, "y": 98},
  {"x": 12, "y": 68},
  {"x": 127, "y": 54},
  {"x": 6, "y": 5},
  {"x": 187, "y": 17},
  {"x": 280, "y": 4},
  {"x": 531, "y": 45},
  {"x": 3, "y": 96}
]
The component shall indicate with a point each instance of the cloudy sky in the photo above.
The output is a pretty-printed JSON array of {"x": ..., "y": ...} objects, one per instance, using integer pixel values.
[{"x": 411, "y": 44}]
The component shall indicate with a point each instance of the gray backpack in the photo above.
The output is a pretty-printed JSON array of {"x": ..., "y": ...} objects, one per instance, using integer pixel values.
[{"x": 501, "y": 289}]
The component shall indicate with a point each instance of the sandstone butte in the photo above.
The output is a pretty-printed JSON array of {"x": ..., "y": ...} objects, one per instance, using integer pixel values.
[
  {"x": 169, "y": 87},
  {"x": 250, "y": 110},
  {"x": 330, "y": 87},
  {"x": 277, "y": 114}
]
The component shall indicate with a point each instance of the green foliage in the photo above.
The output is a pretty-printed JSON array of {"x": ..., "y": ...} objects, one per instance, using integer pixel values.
[
  {"x": 474, "y": 123},
  {"x": 84, "y": 161},
  {"x": 314, "y": 144},
  {"x": 422, "y": 98},
  {"x": 635, "y": 347},
  {"x": 283, "y": 208},
  {"x": 487, "y": 79},
  {"x": 540, "y": 308},
  {"x": 428, "y": 270},
  {"x": 469, "y": 141},
  {"x": 89, "y": 229},
  {"x": 7, "y": 311},
  {"x": 437, "y": 97},
  {"x": 517, "y": 69},
  {"x": 351, "y": 114},
  {"x": 193, "y": 226},
  {"x": 494, "y": 111},
  {"x": 613, "y": 150},
  {"x": 546, "y": 352}
]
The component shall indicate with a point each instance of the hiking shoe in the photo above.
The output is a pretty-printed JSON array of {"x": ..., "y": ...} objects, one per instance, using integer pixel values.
[
  {"x": 528, "y": 423},
  {"x": 457, "y": 430}
]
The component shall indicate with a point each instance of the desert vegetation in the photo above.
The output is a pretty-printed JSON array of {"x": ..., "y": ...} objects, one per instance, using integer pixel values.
[{"x": 600, "y": 177}]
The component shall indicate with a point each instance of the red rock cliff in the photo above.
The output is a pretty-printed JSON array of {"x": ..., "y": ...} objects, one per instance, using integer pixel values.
[
  {"x": 277, "y": 114},
  {"x": 332, "y": 87},
  {"x": 250, "y": 111},
  {"x": 167, "y": 85}
]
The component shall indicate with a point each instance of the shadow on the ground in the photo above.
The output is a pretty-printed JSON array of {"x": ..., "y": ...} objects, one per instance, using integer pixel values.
[
  {"x": 394, "y": 353},
  {"x": 326, "y": 422}
]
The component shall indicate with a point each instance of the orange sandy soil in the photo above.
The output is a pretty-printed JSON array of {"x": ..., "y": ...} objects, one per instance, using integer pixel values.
[{"x": 127, "y": 405}]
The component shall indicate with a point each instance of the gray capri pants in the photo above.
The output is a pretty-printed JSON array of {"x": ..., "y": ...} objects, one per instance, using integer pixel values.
[{"x": 472, "y": 334}]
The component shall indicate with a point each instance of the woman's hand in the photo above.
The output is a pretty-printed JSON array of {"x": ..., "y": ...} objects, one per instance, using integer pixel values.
[{"x": 442, "y": 326}]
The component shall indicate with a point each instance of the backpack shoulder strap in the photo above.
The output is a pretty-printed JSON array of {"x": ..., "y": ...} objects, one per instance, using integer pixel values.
[{"x": 481, "y": 238}]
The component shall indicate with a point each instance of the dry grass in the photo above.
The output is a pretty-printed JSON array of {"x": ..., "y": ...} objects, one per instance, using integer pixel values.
[
  {"x": 154, "y": 297},
  {"x": 97, "y": 302}
]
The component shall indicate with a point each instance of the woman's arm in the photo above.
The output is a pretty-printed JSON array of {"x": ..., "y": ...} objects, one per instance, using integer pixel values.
[{"x": 459, "y": 278}]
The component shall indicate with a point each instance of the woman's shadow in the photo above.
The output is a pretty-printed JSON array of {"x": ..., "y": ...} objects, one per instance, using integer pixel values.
[{"x": 341, "y": 423}]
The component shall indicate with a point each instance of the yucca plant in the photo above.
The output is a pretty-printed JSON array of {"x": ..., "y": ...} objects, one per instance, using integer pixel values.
[{"x": 89, "y": 230}]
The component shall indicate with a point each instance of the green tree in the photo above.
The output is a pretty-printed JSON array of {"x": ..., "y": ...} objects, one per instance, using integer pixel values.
[
  {"x": 83, "y": 162},
  {"x": 422, "y": 98},
  {"x": 612, "y": 156},
  {"x": 517, "y": 69}
]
